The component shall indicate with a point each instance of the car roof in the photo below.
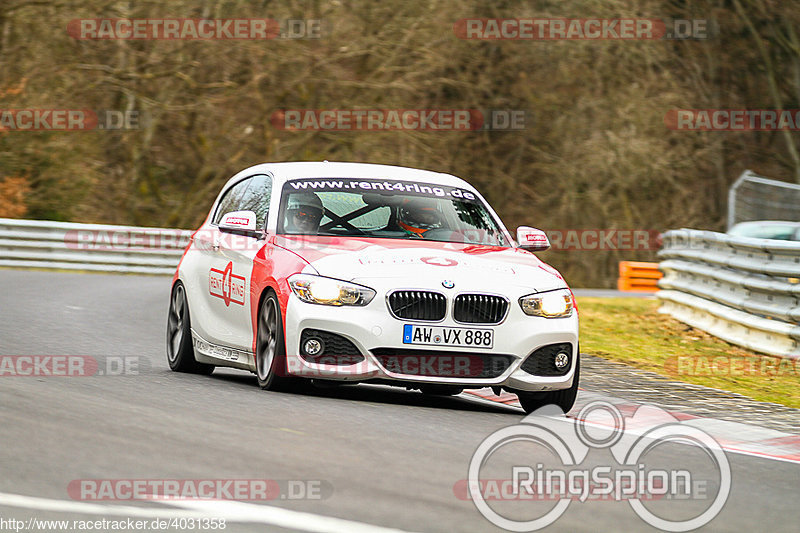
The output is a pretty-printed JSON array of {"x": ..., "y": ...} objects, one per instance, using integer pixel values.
[{"x": 283, "y": 172}]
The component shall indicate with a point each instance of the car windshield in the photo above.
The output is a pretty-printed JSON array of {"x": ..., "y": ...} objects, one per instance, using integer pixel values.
[{"x": 386, "y": 209}]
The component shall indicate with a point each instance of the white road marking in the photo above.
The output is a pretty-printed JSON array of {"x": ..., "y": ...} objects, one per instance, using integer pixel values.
[
  {"x": 276, "y": 516},
  {"x": 66, "y": 506},
  {"x": 231, "y": 511}
]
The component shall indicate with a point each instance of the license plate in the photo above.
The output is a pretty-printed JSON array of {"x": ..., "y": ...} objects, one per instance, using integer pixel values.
[{"x": 444, "y": 336}]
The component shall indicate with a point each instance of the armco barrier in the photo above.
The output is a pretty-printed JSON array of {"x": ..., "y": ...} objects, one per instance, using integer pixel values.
[
  {"x": 638, "y": 276},
  {"x": 740, "y": 289},
  {"x": 98, "y": 247}
]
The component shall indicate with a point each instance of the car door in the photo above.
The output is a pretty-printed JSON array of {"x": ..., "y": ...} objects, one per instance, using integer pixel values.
[
  {"x": 232, "y": 268},
  {"x": 200, "y": 264}
]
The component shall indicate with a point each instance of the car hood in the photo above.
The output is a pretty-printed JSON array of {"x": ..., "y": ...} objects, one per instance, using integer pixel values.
[{"x": 406, "y": 263}]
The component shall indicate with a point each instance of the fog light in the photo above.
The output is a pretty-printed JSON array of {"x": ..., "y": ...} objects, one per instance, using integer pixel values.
[
  {"x": 561, "y": 360},
  {"x": 313, "y": 346}
]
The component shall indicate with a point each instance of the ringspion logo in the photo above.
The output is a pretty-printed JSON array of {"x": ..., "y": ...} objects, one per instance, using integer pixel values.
[{"x": 691, "y": 491}]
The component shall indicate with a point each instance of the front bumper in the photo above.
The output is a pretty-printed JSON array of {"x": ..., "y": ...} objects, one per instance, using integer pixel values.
[{"x": 372, "y": 330}]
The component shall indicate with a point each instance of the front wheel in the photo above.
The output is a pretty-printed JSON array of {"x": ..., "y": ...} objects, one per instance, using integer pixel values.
[
  {"x": 180, "y": 352},
  {"x": 270, "y": 346},
  {"x": 564, "y": 398}
]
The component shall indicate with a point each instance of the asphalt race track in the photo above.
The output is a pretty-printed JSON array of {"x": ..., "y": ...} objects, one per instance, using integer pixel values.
[{"x": 374, "y": 457}]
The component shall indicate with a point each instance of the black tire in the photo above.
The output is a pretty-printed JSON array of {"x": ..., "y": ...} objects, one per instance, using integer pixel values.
[
  {"x": 180, "y": 352},
  {"x": 271, "y": 346},
  {"x": 442, "y": 390},
  {"x": 564, "y": 399}
]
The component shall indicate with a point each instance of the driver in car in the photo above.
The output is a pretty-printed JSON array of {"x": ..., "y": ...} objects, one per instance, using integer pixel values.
[
  {"x": 417, "y": 216},
  {"x": 304, "y": 213}
]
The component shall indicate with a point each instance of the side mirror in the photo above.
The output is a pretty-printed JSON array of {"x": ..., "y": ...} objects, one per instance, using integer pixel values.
[
  {"x": 532, "y": 239},
  {"x": 240, "y": 222}
]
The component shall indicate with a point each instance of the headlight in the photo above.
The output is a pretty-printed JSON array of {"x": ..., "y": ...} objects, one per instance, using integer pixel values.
[
  {"x": 552, "y": 304},
  {"x": 329, "y": 291}
]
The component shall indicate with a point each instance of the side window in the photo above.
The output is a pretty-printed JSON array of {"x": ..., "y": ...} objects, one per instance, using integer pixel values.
[
  {"x": 257, "y": 197},
  {"x": 232, "y": 200}
]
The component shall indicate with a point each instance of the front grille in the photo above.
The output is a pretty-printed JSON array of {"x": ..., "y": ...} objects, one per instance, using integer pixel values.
[
  {"x": 336, "y": 349},
  {"x": 435, "y": 363},
  {"x": 540, "y": 362},
  {"x": 479, "y": 308},
  {"x": 418, "y": 305}
]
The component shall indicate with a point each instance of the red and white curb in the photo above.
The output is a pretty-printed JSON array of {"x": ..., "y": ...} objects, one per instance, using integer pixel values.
[{"x": 734, "y": 437}]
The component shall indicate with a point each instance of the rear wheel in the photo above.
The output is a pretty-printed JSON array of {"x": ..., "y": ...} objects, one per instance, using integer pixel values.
[
  {"x": 180, "y": 352},
  {"x": 270, "y": 346},
  {"x": 564, "y": 398}
]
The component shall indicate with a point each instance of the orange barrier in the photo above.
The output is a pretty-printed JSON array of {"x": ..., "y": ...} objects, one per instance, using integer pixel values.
[{"x": 637, "y": 276}]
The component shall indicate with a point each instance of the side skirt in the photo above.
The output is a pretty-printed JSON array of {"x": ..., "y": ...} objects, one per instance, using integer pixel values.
[{"x": 215, "y": 354}]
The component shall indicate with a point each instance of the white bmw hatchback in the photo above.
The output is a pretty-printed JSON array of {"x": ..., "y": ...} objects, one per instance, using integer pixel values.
[{"x": 355, "y": 272}]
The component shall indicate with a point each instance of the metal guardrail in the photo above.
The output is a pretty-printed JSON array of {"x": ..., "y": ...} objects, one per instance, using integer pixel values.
[
  {"x": 753, "y": 197},
  {"x": 743, "y": 290},
  {"x": 97, "y": 247}
]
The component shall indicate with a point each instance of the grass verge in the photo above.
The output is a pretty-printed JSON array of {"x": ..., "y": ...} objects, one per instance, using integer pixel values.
[{"x": 631, "y": 331}]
